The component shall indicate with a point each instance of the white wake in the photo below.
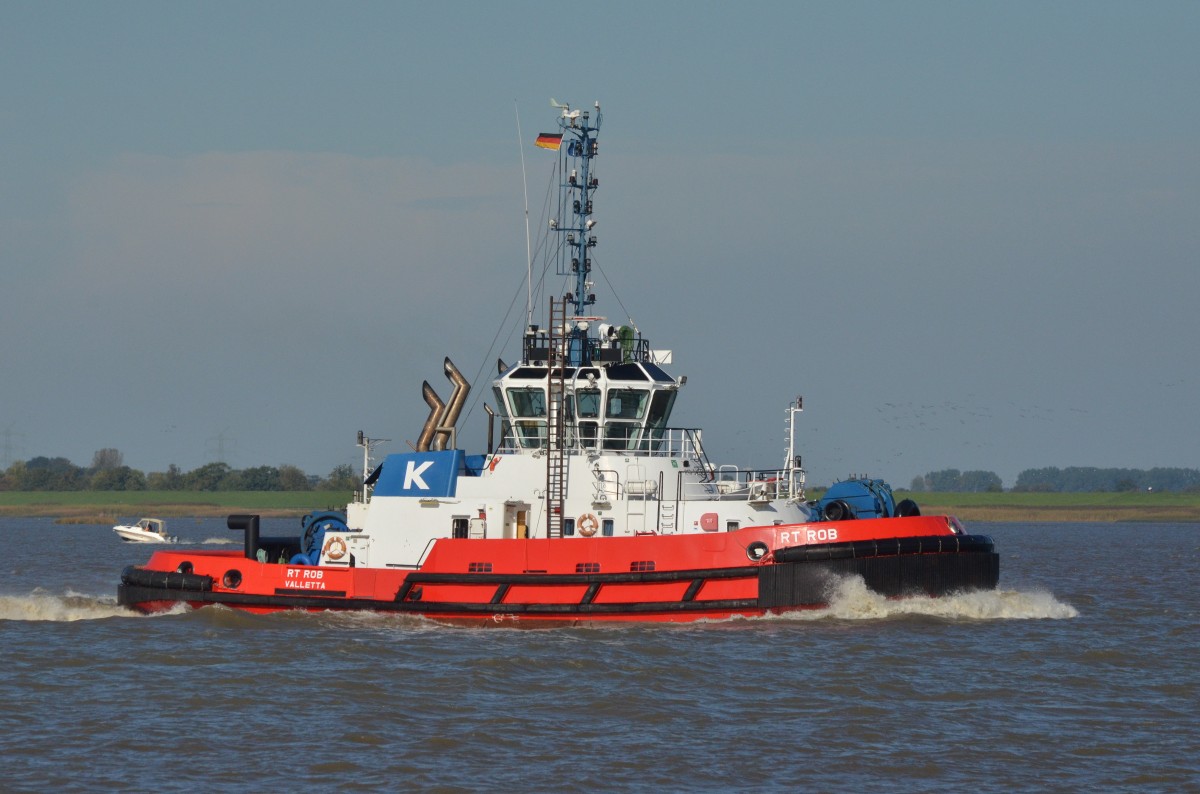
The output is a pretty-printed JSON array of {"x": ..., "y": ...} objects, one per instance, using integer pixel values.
[
  {"x": 45, "y": 607},
  {"x": 852, "y": 600}
]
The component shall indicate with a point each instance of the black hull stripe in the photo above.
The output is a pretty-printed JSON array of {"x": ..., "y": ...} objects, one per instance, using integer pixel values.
[
  {"x": 782, "y": 585},
  {"x": 129, "y": 595}
]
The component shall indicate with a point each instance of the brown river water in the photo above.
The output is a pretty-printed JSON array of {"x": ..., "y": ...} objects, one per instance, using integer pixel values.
[{"x": 1081, "y": 672}]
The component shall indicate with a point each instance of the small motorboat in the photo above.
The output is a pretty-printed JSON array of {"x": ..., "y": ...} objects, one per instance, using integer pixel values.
[{"x": 146, "y": 530}]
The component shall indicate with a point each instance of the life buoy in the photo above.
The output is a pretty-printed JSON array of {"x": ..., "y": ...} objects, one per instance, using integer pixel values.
[
  {"x": 587, "y": 525},
  {"x": 335, "y": 548}
]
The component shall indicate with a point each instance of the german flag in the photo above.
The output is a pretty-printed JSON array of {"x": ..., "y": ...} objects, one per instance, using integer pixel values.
[{"x": 549, "y": 140}]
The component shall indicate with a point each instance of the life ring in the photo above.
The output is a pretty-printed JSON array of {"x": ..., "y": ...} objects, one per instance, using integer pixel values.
[
  {"x": 587, "y": 525},
  {"x": 335, "y": 548}
]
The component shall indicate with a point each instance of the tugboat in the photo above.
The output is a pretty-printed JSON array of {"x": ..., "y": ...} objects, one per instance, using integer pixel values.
[{"x": 588, "y": 505}]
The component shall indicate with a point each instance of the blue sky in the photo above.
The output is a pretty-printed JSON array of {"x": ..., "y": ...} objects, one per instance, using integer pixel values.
[{"x": 967, "y": 233}]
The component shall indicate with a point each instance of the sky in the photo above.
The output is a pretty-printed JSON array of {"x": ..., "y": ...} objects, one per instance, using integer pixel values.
[{"x": 967, "y": 233}]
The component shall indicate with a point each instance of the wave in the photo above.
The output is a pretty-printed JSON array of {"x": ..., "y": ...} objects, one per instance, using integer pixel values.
[
  {"x": 850, "y": 599},
  {"x": 67, "y": 608}
]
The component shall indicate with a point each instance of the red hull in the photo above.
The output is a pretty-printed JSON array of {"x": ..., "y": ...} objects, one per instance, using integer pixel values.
[{"x": 645, "y": 578}]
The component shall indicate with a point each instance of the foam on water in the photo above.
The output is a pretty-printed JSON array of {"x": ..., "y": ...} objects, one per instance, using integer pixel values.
[
  {"x": 852, "y": 600},
  {"x": 40, "y": 606}
]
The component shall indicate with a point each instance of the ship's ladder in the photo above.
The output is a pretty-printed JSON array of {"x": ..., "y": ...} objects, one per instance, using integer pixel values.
[
  {"x": 639, "y": 492},
  {"x": 556, "y": 464},
  {"x": 666, "y": 516}
]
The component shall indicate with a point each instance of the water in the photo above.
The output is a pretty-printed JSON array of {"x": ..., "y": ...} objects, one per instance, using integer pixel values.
[{"x": 1081, "y": 672}]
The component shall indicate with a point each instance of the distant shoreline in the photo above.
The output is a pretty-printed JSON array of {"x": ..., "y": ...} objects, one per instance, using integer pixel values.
[{"x": 107, "y": 507}]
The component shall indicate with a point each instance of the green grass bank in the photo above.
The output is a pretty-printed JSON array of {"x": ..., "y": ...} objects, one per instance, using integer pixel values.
[
  {"x": 1018, "y": 507},
  {"x": 108, "y": 506},
  {"x": 102, "y": 507}
]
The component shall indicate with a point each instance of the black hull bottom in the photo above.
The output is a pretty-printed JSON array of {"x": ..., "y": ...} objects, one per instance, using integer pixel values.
[
  {"x": 807, "y": 583},
  {"x": 799, "y": 578}
]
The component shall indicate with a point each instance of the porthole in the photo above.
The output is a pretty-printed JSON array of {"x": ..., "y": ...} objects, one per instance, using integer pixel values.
[{"x": 757, "y": 550}]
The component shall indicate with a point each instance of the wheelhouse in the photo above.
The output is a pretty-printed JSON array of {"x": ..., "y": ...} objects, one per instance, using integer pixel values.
[{"x": 615, "y": 396}]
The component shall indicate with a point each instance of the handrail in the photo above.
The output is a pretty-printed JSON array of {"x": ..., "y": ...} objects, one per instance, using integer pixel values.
[
  {"x": 677, "y": 442},
  {"x": 725, "y": 483}
]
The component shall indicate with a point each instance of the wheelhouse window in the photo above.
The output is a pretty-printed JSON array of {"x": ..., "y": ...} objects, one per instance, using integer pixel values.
[
  {"x": 656, "y": 420},
  {"x": 527, "y": 402},
  {"x": 660, "y": 409},
  {"x": 626, "y": 403},
  {"x": 588, "y": 401},
  {"x": 501, "y": 406},
  {"x": 584, "y": 415},
  {"x": 623, "y": 413}
]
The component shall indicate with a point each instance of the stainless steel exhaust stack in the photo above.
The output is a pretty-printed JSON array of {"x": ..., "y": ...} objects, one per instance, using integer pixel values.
[
  {"x": 436, "y": 408},
  {"x": 458, "y": 399}
]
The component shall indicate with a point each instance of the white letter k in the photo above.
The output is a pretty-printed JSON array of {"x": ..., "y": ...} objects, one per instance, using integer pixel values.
[{"x": 413, "y": 475}]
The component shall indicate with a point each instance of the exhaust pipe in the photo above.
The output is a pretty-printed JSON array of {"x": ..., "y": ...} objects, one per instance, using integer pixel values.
[
  {"x": 436, "y": 407},
  {"x": 458, "y": 399}
]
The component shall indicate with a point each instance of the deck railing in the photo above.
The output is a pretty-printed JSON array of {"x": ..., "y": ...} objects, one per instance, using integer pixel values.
[{"x": 666, "y": 442}]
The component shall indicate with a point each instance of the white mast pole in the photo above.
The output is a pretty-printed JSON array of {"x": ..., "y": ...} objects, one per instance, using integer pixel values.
[{"x": 528, "y": 245}]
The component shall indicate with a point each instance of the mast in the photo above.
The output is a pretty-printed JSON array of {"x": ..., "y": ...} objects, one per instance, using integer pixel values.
[{"x": 580, "y": 146}]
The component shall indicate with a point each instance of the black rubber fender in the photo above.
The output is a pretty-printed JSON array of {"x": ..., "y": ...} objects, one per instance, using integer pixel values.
[
  {"x": 166, "y": 580},
  {"x": 886, "y": 547}
]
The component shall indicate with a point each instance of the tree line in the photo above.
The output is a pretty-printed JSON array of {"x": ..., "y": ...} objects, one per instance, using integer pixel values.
[
  {"x": 1087, "y": 478},
  {"x": 108, "y": 472},
  {"x": 1073, "y": 479}
]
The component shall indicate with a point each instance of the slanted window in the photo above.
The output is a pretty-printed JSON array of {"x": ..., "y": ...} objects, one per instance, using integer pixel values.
[
  {"x": 531, "y": 434},
  {"x": 660, "y": 409},
  {"x": 582, "y": 432},
  {"x": 626, "y": 372},
  {"x": 657, "y": 373},
  {"x": 588, "y": 401},
  {"x": 624, "y": 411},
  {"x": 656, "y": 419},
  {"x": 587, "y": 433},
  {"x": 501, "y": 406},
  {"x": 626, "y": 403},
  {"x": 527, "y": 402},
  {"x": 620, "y": 435}
]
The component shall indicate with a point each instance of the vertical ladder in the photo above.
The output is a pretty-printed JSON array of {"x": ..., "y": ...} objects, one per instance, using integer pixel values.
[{"x": 556, "y": 486}]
